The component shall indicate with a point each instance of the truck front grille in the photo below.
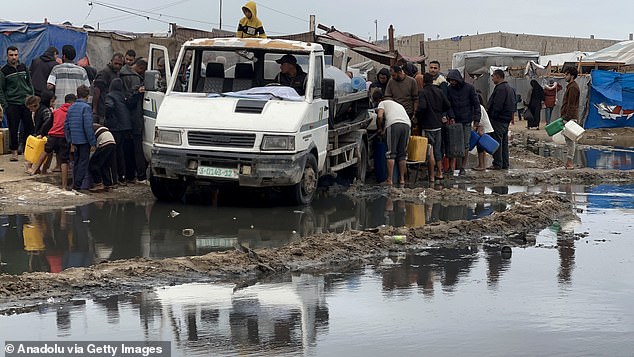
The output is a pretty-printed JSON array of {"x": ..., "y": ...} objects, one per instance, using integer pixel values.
[{"x": 229, "y": 140}]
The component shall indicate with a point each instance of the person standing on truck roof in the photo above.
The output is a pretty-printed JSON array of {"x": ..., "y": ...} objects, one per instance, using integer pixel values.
[
  {"x": 393, "y": 122},
  {"x": 250, "y": 25},
  {"x": 291, "y": 74},
  {"x": 403, "y": 89}
]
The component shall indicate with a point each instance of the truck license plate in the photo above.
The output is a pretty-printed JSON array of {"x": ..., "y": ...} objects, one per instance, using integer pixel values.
[{"x": 221, "y": 172}]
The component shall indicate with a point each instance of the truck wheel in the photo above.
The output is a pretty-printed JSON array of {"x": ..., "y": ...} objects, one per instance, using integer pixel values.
[
  {"x": 302, "y": 192},
  {"x": 166, "y": 189},
  {"x": 361, "y": 168}
]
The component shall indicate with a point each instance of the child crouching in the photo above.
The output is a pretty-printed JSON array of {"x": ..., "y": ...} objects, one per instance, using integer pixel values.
[{"x": 100, "y": 165}]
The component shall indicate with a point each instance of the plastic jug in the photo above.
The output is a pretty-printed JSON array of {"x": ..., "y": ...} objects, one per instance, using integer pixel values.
[
  {"x": 473, "y": 140},
  {"x": 573, "y": 131},
  {"x": 555, "y": 127},
  {"x": 34, "y": 148},
  {"x": 417, "y": 149},
  {"x": 358, "y": 83},
  {"x": 489, "y": 144}
]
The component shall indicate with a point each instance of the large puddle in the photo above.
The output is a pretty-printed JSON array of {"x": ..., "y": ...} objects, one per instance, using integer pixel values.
[
  {"x": 569, "y": 294},
  {"x": 613, "y": 158},
  {"x": 85, "y": 235}
]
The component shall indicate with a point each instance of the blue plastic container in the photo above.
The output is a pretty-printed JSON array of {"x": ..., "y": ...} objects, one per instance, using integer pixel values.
[
  {"x": 489, "y": 144},
  {"x": 473, "y": 140},
  {"x": 358, "y": 83},
  {"x": 379, "y": 149}
]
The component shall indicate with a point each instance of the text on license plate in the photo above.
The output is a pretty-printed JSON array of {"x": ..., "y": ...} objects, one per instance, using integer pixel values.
[{"x": 221, "y": 172}]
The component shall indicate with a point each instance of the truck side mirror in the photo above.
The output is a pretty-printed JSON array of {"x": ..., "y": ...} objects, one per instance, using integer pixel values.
[
  {"x": 328, "y": 88},
  {"x": 151, "y": 79}
]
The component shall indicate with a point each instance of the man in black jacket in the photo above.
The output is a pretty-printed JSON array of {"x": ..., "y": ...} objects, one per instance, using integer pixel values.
[
  {"x": 101, "y": 86},
  {"x": 501, "y": 108},
  {"x": 41, "y": 68},
  {"x": 432, "y": 104},
  {"x": 132, "y": 78}
]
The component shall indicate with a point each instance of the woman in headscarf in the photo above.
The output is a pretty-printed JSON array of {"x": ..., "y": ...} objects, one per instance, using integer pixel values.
[{"x": 535, "y": 100}]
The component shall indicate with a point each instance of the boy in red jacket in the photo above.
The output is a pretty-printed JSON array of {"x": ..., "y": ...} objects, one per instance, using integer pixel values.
[{"x": 57, "y": 141}]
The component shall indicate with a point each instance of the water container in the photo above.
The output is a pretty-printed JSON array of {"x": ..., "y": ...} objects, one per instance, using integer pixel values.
[
  {"x": 489, "y": 144},
  {"x": 573, "y": 131},
  {"x": 473, "y": 140},
  {"x": 455, "y": 141},
  {"x": 417, "y": 149},
  {"x": 555, "y": 127},
  {"x": 379, "y": 149},
  {"x": 358, "y": 84},
  {"x": 34, "y": 148},
  {"x": 559, "y": 138}
]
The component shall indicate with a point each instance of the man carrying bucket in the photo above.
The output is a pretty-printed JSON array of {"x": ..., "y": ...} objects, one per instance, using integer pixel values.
[{"x": 570, "y": 111}]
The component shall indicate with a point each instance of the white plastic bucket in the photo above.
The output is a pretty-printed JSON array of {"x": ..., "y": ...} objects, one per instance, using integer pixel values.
[
  {"x": 573, "y": 131},
  {"x": 559, "y": 138}
]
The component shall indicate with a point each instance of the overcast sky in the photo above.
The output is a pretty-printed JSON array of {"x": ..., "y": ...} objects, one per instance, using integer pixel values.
[{"x": 442, "y": 19}]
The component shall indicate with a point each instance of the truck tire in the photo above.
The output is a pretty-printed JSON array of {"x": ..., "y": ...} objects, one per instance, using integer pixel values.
[
  {"x": 302, "y": 192},
  {"x": 361, "y": 168},
  {"x": 167, "y": 190}
]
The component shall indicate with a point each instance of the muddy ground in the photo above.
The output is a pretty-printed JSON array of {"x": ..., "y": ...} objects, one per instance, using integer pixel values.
[{"x": 527, "y": 214}]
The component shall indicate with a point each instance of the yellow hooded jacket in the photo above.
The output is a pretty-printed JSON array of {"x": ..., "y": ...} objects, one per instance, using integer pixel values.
[{"x": 250, "y": 27}]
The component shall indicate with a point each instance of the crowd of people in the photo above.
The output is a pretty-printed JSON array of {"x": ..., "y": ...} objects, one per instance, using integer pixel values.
[
  {"x": 446, "y": 110},
  {"x": 92, "y": 118}
]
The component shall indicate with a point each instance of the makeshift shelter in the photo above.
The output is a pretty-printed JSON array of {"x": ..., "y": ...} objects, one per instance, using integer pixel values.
[
  {"x": 478, "y": 62},
  {"x": 33, "y": 39},
  {"x": 611, "y": 100},
  {"x": 622, "y": 52},
  {"x": 559, "y": 59}
]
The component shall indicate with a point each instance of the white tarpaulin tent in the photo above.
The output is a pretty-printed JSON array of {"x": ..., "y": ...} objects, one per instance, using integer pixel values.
[
  {"x": 622, "y": 52},
  {"x": 478, "y": 62},
  {"x": 560, "y": 58}
]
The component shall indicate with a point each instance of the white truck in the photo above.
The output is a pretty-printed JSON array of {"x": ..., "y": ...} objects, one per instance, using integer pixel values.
[{"x": 225, "y": 120}]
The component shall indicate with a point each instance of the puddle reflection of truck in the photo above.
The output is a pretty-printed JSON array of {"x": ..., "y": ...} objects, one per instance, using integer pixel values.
[{"x": 203, "y": 134}]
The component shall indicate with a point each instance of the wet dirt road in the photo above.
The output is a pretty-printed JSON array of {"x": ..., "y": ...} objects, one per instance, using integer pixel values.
[{"x": 308, "y": 245}]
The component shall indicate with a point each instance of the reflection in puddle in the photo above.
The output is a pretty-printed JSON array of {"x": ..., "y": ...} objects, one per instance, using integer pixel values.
[
  {"x": 570, "y": 294},
  {"x": 606, "y": 159},
  {"x": 85, "y": 235}
]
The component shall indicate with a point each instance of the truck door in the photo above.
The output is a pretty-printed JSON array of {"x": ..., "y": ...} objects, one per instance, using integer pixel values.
[{"x": 158, "y": 60}]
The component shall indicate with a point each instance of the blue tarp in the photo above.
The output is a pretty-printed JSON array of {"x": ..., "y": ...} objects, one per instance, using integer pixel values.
[
  {"x": 33, "y": 39},
  {"x": 611, "y": 100}
]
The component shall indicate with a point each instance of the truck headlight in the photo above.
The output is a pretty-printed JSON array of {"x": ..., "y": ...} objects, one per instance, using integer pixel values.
[
  {"x": 169, "y": 137},
  {"x": 274, "y": 142}
]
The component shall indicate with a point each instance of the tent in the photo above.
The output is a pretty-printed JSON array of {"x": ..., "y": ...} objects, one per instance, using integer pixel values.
[
  {"x": 33, "y": 39},
  {"x": 611, "y": 100},
  {"x": 622, "y": 52},
  {"x": 478, "y": 62},
  {"x": 560, "y": 59}
]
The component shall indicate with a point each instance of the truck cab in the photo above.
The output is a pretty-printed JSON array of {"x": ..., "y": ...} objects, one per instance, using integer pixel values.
[{"x": 225, "y": 119}]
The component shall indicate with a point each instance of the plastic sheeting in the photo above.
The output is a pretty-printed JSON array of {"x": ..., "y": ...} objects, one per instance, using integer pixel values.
[
  {"x": 622, "y": 52},
  {"x": 479, "y": 61},
  {"x": 33, "y": 39},
  {"x": 611, "y": 100},
  {"x": 560, "y": 58}
]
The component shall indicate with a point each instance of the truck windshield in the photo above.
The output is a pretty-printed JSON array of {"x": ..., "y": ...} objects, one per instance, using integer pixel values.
[{"x": 219, "y": 71}]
